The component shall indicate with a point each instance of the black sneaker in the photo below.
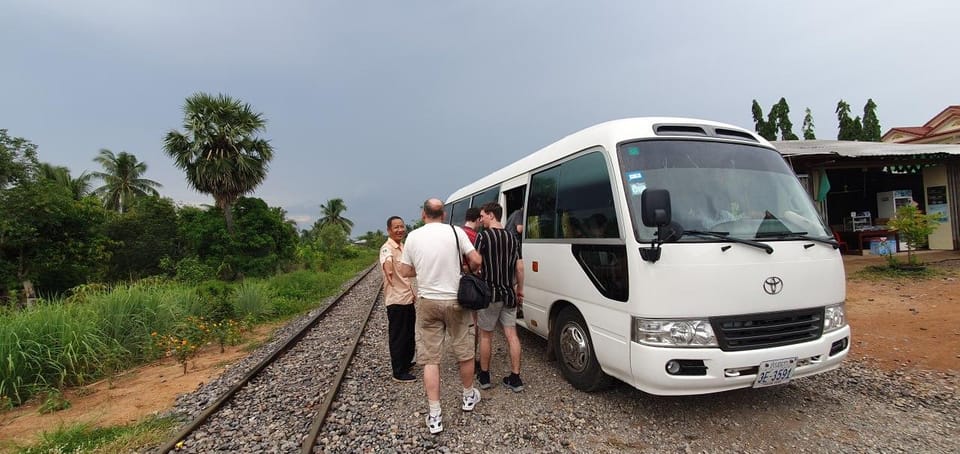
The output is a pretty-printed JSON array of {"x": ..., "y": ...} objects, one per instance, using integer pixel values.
[
  {"x": 484, "y": 378},
  {"x": 513, "y": 382},
  {"x": 405, "y": 377}
]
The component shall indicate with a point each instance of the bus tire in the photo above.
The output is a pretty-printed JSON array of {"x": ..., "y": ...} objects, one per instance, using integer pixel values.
[{"x": 575, "y": 354}]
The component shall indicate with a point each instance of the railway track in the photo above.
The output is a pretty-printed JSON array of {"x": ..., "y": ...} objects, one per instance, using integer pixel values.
[{"x": 280, "y": 403}]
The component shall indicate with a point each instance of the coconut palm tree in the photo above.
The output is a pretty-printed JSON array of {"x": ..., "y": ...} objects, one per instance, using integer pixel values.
[
  {"x": 122, "y": 180},
  {"x": 332, "y": 215},
  {"x": 219, "y": 149},
  {"x": 79, "y": 187}
]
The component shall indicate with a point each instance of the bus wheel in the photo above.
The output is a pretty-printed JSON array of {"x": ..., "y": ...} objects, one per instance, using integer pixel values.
[{"x": 575, "y": 354}]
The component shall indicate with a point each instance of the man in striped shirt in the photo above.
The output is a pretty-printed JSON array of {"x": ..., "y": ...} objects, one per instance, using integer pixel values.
[{"x": 502, "y": 268}]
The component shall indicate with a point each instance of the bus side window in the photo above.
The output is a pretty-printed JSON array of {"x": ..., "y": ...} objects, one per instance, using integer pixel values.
[
  {"x": 586, "y": 199},
  {"x": 458, "y": 212},
  {"x": 542, "y": 209}
]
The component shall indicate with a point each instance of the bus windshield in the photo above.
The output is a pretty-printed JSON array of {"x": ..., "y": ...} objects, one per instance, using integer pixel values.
[{"x": 741, "y": 191}]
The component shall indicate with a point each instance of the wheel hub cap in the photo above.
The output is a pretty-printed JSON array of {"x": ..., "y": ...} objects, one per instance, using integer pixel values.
[{"x": 573, "y": 346}]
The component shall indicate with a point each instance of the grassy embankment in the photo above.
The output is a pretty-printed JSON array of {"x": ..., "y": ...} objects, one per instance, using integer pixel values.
[{"x": 98, "y": 333}]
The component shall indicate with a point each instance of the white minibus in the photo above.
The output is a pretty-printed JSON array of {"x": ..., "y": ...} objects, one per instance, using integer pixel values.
[{"x": 680, "y": 256}]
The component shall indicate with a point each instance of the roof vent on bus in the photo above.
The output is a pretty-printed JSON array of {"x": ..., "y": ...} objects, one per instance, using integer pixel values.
[
  {"x": 679, "y": 130},
  {"x": 734, "y": 134}
]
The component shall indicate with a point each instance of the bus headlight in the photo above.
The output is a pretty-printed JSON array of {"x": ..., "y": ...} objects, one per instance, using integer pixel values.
[
  {"x": 659, "y": 332},
  {"x": 834, "y": 318}
]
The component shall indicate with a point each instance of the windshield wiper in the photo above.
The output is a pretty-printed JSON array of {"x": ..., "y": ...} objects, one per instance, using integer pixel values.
[
  {"x": 798, "y": 235},
  {"x": 726, "y": 236}
]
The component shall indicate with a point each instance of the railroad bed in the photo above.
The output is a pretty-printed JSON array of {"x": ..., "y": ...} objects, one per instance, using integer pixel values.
[{"x": 854, "y": 409}]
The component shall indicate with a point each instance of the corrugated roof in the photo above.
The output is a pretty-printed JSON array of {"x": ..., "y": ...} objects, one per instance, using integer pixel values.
[{"x": 851, "y": 149}]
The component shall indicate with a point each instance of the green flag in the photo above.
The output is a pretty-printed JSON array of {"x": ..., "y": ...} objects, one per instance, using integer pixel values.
[{"x": 824, "y": 186}]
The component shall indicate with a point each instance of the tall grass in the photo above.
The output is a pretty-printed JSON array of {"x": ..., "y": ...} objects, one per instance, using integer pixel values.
[
  {"x": 130, "y": 314},
  {"x": 48, "y": 346},
  {"x": 57, "y": 343},
  {"x": 252, "y": 300}
]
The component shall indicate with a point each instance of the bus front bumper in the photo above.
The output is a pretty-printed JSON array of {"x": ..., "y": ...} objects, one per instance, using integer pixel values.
[{"x": 730, "y": 370}]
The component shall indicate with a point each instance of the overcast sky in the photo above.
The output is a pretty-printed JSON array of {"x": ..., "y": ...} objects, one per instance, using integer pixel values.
[{"x": 386, "y": 103}]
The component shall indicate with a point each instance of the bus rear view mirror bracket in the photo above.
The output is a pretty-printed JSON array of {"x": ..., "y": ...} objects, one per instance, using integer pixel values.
[{"x": 655, "y": 212}]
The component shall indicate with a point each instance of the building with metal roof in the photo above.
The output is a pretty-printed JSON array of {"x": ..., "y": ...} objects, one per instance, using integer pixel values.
[{"x": 857, "y": 186}]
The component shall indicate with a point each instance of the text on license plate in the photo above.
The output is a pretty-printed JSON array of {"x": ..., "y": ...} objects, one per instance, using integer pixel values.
[{"x": 775, "y": 372}]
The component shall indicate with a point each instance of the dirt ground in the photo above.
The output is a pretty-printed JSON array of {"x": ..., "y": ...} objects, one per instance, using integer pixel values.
[
  {"x": 126, "y": 398},
  {"x": 898, "y": 324},
  {"x": 909, "y": 323}
]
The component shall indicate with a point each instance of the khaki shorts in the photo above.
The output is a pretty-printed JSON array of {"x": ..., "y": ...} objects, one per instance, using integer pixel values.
[
  {"x": 442, "y": 323},
  {"x": 487, "y": 318}
]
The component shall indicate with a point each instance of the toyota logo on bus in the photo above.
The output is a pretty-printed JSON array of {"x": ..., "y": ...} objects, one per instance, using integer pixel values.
[{"x": 773, "y": 285}]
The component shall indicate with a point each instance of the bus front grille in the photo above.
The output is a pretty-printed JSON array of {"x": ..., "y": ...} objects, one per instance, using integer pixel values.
[{"x": 770, "y": 329}]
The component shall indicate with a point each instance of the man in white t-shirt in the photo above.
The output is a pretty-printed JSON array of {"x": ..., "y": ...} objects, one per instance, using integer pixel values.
[{"x": 431, "y": 254}]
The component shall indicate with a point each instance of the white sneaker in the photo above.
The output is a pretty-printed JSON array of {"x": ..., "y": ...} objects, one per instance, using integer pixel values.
[
  {"x": 471, "y": 400},
  {"x": 435, "y": 423}
]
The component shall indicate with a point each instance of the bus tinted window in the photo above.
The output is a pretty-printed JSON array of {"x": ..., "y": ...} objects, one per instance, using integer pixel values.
[
  {"x": 573, "y": 200},
  {"x": 490, "y": 195},
  {"x": 585, "y": 199},
  {"x": 542, "y": 209},
  {"x": 458, "y": 212}
]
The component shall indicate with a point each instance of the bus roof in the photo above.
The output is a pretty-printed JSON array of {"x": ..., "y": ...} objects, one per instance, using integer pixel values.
[{"x": 607, "y": 134}]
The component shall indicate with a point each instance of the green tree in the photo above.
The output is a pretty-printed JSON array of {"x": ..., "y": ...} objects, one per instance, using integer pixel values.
[
  {"x": 373, "y": 239},
  {"x": 781, "y": 112},
  {"x": 142, "y": 238},
  {"x": 264, "y": 241},
  {"x": 871, "y": 124},
  {"x": 122, "y": 180},
  {"x": 766, "y": 128},
  {"x": 808, "y": 133},
  {"x": 18, "y": 158},
  {"x": 332, "y": 242},
  {"x": 79, "y": 187},
  {"x": 203, "y": 235},
  {"x": 48, "y": 240},
  {"x": 219, "y": 149},
  {"x": 778, "y": 120},
  {"x": 848, "y": 129},
  {"x": 332, "y": 214}
]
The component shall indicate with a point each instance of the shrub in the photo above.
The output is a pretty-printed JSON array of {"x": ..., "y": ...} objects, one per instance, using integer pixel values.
[
  {"x": 252, "y": 300},
  {"x": 192, "y": 270},
  {"x": 303, "y": 285},
  {"x": 214, "y": 299},
  {"x": 54, "y": 401},
  {"x": 914, "y": 227},
  {"x": 184, "y": 342}
]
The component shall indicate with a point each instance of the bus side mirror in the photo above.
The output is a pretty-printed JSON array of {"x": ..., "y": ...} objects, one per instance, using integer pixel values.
[{"x": 655, "y": 207}]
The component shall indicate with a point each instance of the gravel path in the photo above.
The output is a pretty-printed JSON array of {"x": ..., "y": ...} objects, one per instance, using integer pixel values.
[{"x": 854, "y": 409}]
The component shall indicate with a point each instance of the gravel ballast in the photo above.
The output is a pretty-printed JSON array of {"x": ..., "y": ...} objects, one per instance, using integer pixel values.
[{"x": 857, "y": 408}]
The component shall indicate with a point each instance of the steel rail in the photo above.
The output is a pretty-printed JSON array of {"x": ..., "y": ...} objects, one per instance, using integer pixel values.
[
  {"x": 171, "y": 444},
  {"x": 307, "y": 446}
]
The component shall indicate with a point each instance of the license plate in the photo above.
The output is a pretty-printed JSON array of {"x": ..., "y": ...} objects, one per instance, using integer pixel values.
[{"x": 775, "y": 372}]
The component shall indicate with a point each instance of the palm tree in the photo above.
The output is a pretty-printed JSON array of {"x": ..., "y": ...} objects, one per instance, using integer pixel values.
[
  {"x": 219, "y": 149},
  {"x": 332, "y": 215},
  {"x": 79, "y": 187},
  {"x": 121, "y": 178}
]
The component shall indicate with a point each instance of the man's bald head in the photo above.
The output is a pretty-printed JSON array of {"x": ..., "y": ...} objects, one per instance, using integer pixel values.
[{"x": 433, "y": 209}]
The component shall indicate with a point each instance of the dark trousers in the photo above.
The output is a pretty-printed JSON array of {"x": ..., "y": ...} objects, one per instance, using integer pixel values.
[{"x": 402, "y": 320}]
